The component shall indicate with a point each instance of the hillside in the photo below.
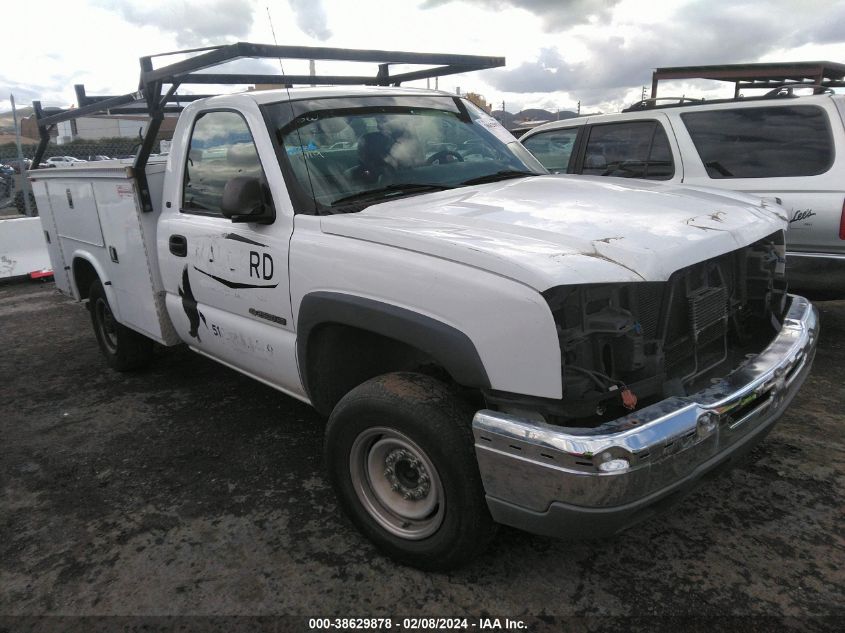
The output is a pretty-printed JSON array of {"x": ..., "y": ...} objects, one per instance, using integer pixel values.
[
  {"x": 7, "y": 123},
  {"x": 531, "y": 114}
]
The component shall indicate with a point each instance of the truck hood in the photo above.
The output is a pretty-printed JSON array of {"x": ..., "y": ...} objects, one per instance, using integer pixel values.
[{"x": 546, "y": 231}]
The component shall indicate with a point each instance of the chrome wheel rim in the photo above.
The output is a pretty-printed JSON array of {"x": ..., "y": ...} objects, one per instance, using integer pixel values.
[
  {"x": 397, "y": 483},
  {"x": 108, "y": 326}
]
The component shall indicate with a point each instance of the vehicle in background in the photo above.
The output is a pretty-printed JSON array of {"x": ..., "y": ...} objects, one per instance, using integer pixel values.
[
  {"x": 64, "y": 161},
  {"x": 780, "y": 146},
  {"x": 96, "y": 157},
  {"x": 15, "y": 164}
]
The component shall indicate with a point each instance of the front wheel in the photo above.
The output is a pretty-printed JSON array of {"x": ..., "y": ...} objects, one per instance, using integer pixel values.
[
  {"x": 123, "y": 348},
  {"x": 400, "y": 457}
]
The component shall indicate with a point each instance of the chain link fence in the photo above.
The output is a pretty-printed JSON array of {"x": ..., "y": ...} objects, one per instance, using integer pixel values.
[
  {"x": 11, "y": 186},
  {"x": 78, "y": 149},
  {"x": 12, "y": 197}
]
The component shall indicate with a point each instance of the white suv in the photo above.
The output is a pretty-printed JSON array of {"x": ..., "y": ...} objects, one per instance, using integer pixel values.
[
  {"x": 778, "y": 146},
  {"x": 63, "y": 161}
]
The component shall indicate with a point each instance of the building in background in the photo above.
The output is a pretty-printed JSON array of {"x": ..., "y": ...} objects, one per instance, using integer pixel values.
[
  {"x": 29, "y": 128},
  {"x": 480, "y": 101},
  {"x": 106, "y": 126},
  {"x": 94, "y": 128}
]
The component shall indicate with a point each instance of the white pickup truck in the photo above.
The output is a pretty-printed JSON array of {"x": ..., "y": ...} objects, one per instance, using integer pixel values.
[{"x": 491, "y": 344}]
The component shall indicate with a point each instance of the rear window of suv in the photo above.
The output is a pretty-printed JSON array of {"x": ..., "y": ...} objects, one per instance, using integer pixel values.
[{"x": 768, "y": 142}]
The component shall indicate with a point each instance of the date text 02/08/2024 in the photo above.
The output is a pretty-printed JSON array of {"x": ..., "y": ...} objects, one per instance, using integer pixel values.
[{"x": 416, "y": 624}]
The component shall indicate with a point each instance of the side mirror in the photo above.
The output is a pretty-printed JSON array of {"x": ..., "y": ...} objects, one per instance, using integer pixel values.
[{"x": 246, "y": 199}]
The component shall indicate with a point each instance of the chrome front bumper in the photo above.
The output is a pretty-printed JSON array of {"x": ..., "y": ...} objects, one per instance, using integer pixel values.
[{"x": 562, "y": 482}]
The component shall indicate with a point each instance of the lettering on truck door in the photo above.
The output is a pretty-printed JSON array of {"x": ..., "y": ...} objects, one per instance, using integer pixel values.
[{"x": 227, "y": 282}]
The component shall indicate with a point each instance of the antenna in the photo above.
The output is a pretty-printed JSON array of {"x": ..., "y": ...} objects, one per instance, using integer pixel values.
[
  {"x": 273, "y": 33},
  {"x": 292, "y": 111}
]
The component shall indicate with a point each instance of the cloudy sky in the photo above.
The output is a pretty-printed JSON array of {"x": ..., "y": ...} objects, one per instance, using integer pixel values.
[{"x": 559, "y": 52}]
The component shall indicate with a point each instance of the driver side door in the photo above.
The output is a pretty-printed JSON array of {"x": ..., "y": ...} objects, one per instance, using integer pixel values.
[{"x": 226, "y": 282}]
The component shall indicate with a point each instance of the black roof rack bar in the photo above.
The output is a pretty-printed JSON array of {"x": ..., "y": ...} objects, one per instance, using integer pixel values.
[
  {"x": 652, "y": 104},
  {"x": 232, "y": 52},
  {"x": 187, "y": 50},
  {"x": 84, "y": 99},
  {"x": 93, "y": 108},
  {"x": 142, "y": 108},
  {"x": 452, "y": 69},
  {"x": 649, "y": 104},
  {"x": 281, "y": 80},
  {"x": 139, "y": 107},
  {"x": 216, "y": 56},
  {"x": 788, "y": 89},
  {"x": 185, "y": 72},
  {"x": 171, "y": 99},
  {"x": 797, "y": 84}
]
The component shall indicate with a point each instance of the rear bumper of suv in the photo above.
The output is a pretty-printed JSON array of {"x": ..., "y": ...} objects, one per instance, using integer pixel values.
[{"x": 595, "y": 482}]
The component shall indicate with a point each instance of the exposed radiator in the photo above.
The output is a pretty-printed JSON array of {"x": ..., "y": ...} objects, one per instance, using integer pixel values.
[{"x": 707, "y": 306}]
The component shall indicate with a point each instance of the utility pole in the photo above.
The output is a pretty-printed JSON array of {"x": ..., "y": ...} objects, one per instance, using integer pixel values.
[
  {"x": 579, "y": 108},
  {"x": 24, "y": 181},
  {"x": 312, "y": 70},
  {"x": 642, "y": 96}
]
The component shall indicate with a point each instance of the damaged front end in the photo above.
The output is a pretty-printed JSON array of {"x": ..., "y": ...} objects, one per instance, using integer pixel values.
[
  {"x": 663, "y": 382},
  {"x": 627, "y": 345}
]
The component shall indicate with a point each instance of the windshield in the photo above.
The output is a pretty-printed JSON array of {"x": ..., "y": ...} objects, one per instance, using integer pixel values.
[{"x": 348, "y": 157}]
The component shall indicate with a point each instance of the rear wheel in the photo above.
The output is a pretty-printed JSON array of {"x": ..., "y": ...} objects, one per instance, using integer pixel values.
[
  {"x": 400, "y": 456},
  {"x": 123, "y": 348}
]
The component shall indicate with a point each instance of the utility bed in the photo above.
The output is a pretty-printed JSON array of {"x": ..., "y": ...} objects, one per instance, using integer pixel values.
[{"x": 94, "y": 212}]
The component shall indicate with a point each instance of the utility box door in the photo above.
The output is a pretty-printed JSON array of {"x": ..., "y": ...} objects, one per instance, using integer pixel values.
[{"x": 75, "y": 211}]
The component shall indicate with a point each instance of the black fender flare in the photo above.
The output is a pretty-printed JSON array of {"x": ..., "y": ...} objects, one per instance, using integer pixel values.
[{"x": 447, "y": 345}]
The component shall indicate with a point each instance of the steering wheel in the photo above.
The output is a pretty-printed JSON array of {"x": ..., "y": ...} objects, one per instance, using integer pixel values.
[
  {"x": 440, "y": 157},
  {"x": 476, "y": 148}
]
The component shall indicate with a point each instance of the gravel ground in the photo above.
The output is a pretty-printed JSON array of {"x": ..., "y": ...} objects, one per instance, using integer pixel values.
[{"x": 188, "y": 489}]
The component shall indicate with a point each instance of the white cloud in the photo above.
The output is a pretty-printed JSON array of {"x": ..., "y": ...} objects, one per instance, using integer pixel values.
[
  {"x": 556, "y": 15},
  {"x": 192, "y": 22},
  {"x": 624, "y": 54},
  {"x": 311, "y": 18},
  {"x": 558, "y": 52}
]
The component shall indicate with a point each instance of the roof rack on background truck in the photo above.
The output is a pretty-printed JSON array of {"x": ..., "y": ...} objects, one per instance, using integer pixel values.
[
  {"x": 779, "y": 92},
  {"x": 655, "y": 102},
  {"x": 756, "y": 76}
]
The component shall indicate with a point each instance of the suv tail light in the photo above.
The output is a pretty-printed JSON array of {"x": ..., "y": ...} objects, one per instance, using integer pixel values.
[{"x": 842, "y": 222}]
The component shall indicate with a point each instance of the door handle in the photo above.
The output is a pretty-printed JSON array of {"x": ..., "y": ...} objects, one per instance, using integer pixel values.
[{"x": 178, "y": 245}]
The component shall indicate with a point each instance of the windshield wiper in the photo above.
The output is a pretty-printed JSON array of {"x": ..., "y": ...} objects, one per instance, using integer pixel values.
[
  {"x": 499, "y": 175},
  {"x": 390, "y": 190}
]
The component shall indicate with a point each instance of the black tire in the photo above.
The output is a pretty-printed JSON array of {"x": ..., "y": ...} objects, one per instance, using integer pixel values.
[
  {"x": 124, "y": 349},
  {"x": 408, "y": 434}
]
